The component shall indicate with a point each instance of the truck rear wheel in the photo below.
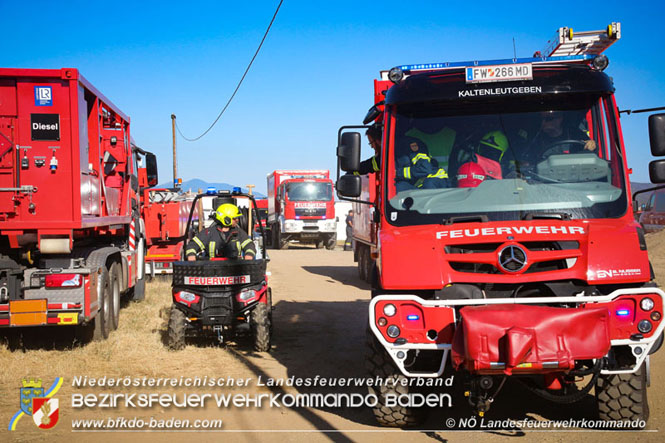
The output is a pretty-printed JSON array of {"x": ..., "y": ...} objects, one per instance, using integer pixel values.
[
  {"x": 261, "y": 324},
  {"x": 115, "y": 275},
  {"x": 176, "y": 331},
  {"x": 104, "y": 295},
  {"x": 623, "y": 396},
  {"x": 379, "y": 364}
]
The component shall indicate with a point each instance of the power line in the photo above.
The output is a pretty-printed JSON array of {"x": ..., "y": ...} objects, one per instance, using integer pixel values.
[{"x": 239, "y": 83}]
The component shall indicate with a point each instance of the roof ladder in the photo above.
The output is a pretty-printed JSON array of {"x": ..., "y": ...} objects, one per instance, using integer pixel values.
[{"x": 567, "y": 42}]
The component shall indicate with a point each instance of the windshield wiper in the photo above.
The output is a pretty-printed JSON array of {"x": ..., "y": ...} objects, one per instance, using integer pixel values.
[
  {"x": 482, "y": 218},
  {"x": 555, "y": 215}
]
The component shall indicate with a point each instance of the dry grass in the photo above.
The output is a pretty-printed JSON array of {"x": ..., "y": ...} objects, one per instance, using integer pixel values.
[
  {"x": 656, "y": 246},
  {"x": 135, "y": 349}
]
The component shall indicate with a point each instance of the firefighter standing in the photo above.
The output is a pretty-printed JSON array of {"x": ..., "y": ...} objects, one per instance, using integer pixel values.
[{"x": 223, "y": 239}]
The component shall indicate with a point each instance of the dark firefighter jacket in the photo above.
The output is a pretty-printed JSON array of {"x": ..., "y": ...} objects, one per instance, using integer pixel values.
[
  {"x": 417, "y": 167},
  {"x": 368, "y": 166},
  {"x": 213, "y": 242}
]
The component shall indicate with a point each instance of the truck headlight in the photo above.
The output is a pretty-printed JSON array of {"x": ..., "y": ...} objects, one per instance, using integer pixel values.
[
  {"x": 646, "y": 304},
  {"x": 290, "y": 226},
  {"x": 389, "y": 310}
]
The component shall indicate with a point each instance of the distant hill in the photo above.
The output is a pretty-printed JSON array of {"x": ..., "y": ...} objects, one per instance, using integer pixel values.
[{"x": 195, "y": 184}]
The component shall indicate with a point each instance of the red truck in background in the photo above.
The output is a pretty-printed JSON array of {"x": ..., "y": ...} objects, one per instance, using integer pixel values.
[
  {"x": 165, "y": 213},
  {"x": 540, "y": 273},
  {"x": 262, "y": 206},
  {"x": 301, "y": 207},
  {"x": 71, "y": 231}
]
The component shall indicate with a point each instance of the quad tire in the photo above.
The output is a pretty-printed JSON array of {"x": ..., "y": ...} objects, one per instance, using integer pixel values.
[
  {"x": 261, "y": 325},
  {"x": 379, "y": 364},
  {"x": 623, "y": 396},
  {"x": 175, "y": 338}
]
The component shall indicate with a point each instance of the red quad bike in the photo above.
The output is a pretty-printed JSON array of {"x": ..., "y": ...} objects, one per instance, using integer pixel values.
[
  {"x": 540, "y": 274},
  {"x": 220, "y": 298}
]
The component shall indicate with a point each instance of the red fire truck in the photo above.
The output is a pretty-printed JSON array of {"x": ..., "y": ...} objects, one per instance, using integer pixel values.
[
  {"x": 301, "y": 208},
  {"x": 526, "y": 262},
  {"x": 71, "y": 232}
]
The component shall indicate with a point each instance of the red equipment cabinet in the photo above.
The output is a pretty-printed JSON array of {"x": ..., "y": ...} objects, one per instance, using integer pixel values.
[
  {"x": 301, "y": 207},
  {"x": 70, "y": 225},
  {"x": 165, "y": 213},
  {"x": 542, "y": 273}
]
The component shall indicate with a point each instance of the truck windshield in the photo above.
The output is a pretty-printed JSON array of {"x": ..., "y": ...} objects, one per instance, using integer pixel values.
[
  {"x": 309, "y": 191},
  {"x": 506, "y": 160}
]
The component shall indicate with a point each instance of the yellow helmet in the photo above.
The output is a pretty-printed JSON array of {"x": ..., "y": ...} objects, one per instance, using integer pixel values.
[
  {"x": 226, "y": 213},
  {"x": 497, "y": 143}
]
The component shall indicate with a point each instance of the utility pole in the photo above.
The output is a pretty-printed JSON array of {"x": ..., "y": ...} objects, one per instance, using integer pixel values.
[
  {"x": 199, "y": 206},
  {"x": 250, "y": 226},
  {"x": 175, "y": 159}
]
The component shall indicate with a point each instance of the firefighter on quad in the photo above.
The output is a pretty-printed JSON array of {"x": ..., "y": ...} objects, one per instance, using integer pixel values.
[
  {"x": 226, "y": 293},
  {"x": 223, "y": 239}
]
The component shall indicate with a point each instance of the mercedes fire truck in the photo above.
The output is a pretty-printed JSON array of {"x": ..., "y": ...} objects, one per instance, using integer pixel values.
[{"x": 526, "y": 262}]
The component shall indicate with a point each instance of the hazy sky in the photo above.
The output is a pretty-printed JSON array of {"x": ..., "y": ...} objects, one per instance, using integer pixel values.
[{"x": 314, "y": 73}]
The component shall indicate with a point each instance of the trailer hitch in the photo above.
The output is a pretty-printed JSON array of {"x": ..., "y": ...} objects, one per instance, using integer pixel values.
[
  {"x": 479, "y": 395},
  {"x": 220, "y": 337}
]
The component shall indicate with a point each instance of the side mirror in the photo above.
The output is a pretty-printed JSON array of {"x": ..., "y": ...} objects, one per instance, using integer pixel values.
[
  {"x": 657, "y": 135},
  {"x": 372, "y": 113},
  {"x": 348, "y": 151},
  {"x": 348, "y": 185},
  {"x": 657, "y": 170},
  {"x": 151, "y": 169}
]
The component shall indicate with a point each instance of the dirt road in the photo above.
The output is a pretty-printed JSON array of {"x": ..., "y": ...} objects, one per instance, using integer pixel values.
[{"x": 319, "y": 323}]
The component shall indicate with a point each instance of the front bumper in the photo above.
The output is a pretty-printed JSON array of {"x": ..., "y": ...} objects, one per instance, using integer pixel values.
[
  {"x": 434, "y": 325},
  {"x": 306, "y": 227}
]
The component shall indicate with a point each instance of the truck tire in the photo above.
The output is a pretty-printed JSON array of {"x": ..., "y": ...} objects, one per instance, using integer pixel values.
[
  {"x": 261, "y": 325},
  {"x": 103, "y": 318},
  {"x": 362, "y": 270},
  {"x": 379, "y": 364},
  {"x": 176, "y": 330},
  {"x": 368, "y": 264},
  {"x": 115, "y": 275},
  {"x": 280, "y": 243},
  {"x": 332, "y": 242},
  {"x": 623, "y": 396},
  {"x": 365, "y": 262}
]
